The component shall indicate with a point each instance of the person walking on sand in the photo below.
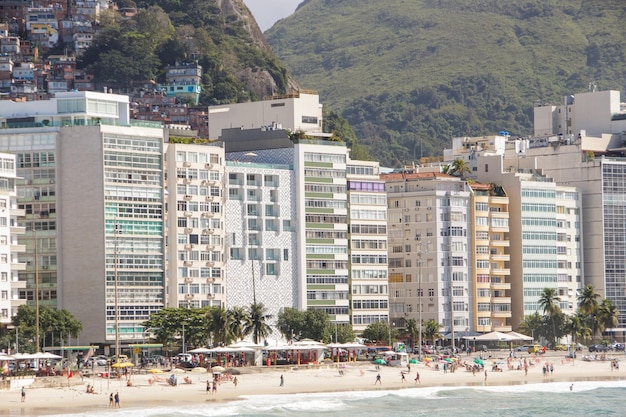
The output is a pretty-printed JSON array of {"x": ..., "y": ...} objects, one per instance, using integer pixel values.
[
  {"x": 417, "y": 378},
  {"x": 23, "y": 394},
  {"x": 235, "y": 382},
  {"x": 485, "y": 376},
  {"x": 378, "y": 380},
  {"x": 117, "y": 400},
  {"x": 111, "y": 400},
  {"x": 282, "y": 381},
  {"x": 208, "y": 386},
  {"x": 403, "y": 377}
]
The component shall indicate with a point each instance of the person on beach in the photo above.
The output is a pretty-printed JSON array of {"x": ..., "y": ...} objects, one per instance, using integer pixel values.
[
  {"x": 111, "y": 400},
  {"x": 23, "y": 394},
  {"x": 214, "y": 387},
  {"x": 282, "y": 381},
  {"x": 378, "y": 380},
  {"x": 485, "y": 376},
  {"x": 571, "y": 387},
  {"x": 235, "y": 382},
  {"x": 417, "y": 378},
  {"x": 403, "y": 377},
  {"x": 408, "y": 368},
  {"x": 208, "y": 386},
  {"x": 117, "y": 400}
]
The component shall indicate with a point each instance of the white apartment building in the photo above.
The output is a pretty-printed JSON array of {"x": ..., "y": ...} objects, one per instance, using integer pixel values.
[
  {"x": 10, "y": 249},
  {"x": 545, "y": 236},
  {"x": 369, "y": 286},
  {"x": 92, "y": 192},
  {"x": 430, "y": 261},
  {"x": 195, "y": 224}
]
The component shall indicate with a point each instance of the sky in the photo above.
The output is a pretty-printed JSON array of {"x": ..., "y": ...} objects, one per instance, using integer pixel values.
[{"x": 267, "y": 12}]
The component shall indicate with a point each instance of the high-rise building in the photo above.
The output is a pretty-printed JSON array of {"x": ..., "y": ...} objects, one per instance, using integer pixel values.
[
  {"x": 430, "y": 261},
  {"x": 10, "y": 249},
  {"x": 92, "y": 192}
]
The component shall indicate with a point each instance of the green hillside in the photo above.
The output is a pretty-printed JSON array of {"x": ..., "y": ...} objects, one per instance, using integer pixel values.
[{"x": 410, "y": 74}]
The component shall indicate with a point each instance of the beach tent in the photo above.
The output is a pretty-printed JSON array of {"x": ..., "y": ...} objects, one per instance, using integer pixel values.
[
  {"x": 200, "y": 350},
  {"x": 519, "y": 336},
  {"x": 492, "y": 337}
]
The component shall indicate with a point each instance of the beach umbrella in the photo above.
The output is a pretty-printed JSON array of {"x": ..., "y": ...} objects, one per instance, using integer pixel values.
[
  {"x": 218, "y": 369},
  {"x": 448, "y": 360},
  {"x": 178, "y": 371},
  {"x": 200, "y": 350},
  {"x": 413, "y": 361},
  {"x": 479, "y": 362},
  {"x": 154, "y": 371},
  {"x": 123, "y": 365},
  {"x": 380, "y": 362},
  {"x": 46, "y": 355},
  {"x": 199, "y": 370}
]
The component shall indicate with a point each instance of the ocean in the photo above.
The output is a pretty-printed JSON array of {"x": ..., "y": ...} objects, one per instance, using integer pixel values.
[{"x": 588, "y": 398}]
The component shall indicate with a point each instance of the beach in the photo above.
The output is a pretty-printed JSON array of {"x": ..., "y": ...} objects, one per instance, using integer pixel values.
[{"x": 326, "y": 378}]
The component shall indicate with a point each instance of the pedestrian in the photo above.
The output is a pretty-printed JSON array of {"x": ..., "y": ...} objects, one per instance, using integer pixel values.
[
  {"x": 403, "y": 377},
  {"x": 551, "y": 368},
  {"x": 208, "y": 386},
  {"x": 378, "y": 380},
  {"x": 235, "y": 382},
  {"x": 408, "y": 367},
  {"x": 23, "y": 394},
  {"x": 117, "y": 400},
  {"x": 417, "y": 377},
  {"x": 111, "y": 400},
  {"x": 214, "y": 387},
  {"x": 571, "y": 387},
  {"x": 282, "y": 381},
  {"x": 485, "y": 376}
]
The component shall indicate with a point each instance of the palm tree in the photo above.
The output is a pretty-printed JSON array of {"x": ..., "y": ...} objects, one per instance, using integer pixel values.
[
  {"x": 219, "y": 325},
  {"x": 531, "y": 325},
  {"x": 549, "y": 302},
  {"x": 577, "y": 327},
  {"x": 588, "y": 304},
  {"x": 460, "y": 168},
  {"x": 588, "y": 300},
  {"x": 238, "y": 319},
  {"x": 257, "y": 325},
  {"x": 431, "y": 331},
  {"x": 412, "y": 330},
  {"x": 607, "y": 315}
]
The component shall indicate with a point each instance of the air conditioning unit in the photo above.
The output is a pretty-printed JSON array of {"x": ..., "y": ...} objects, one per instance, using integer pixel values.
[
  {"x": 208, "y": 198},
  {"x": 188, "y": 296},
  {"x": 210, "y": 296},
  {"x": 45, "y": 267},
  {"x": 186, "y": 164},
  {"x": 188, "y": 280},
  {"x": 207, "y": 231},
  {"x": 51, "y": 181},
  {"x": 210, "y": 247},
  {"x": 188, "y": 214},
  {"x": 210, "y": 280},
  {"x": 188, "y": 263},
  {"x": 188, "y": 230},
  {"x": 187, "y": 197},
  {"x": 210, "y": 264},
  {"x": 208, "y": 166},
  {"x": 188, "y": 247},
  {"x": 187, "y": 181}
]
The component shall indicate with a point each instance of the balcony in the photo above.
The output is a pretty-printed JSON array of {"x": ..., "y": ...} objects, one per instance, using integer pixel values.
[
  {"x": 17, "y": 248},
  {"x": 501, "y": 300},
  {"x": 501, "y": 314},
  {"x": 18, "y": 230},
  {"x": 501, "y": 271},
  {"x": 504, "y": 257},
  {"x": 501, "y": 286},
  {"x": 500, "y": 243},
  {"x": 18, "y": 266}
]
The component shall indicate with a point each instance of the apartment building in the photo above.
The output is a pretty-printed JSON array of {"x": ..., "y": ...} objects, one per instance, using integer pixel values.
[
  {"x": 367, "y": 203},
  {"x": 92, "y": 190},
  {"x": 430, "y": 261},
  {"x": 195, "y": 221},
  {"x": 10, "y": 249},
  {"x": 490, "y": 244}
]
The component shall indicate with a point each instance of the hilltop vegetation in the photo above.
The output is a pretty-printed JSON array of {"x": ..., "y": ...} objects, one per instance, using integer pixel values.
[{"x": 408, "y": 75}]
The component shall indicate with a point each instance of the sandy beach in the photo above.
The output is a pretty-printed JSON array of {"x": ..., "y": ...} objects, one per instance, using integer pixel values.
[{"x": 359, "y": 376}]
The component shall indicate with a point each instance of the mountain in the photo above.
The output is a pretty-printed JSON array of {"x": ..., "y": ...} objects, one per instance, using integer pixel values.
[
  {"x": 410, "y": 74},
  {"x": 221, "y": 35}
]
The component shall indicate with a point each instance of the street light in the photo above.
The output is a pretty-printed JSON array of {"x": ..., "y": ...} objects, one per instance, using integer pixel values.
[
  {"x": 117, "y": 229},
  {"x": 419, "y": 296}
]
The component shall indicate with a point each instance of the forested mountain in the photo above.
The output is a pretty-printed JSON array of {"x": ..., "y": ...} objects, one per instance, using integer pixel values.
[{"x": 410, "y": 74}]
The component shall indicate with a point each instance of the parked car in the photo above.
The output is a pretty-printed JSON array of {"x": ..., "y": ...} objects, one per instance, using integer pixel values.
[
  {"x": 186, "y": 365},
  {"x": 618, "y": 346},
  {"x": 536, "y": 349},
  {"x": 96, "y": 362},
  {"x": 523, "y": 348},
  {"x": 598, "y": 348},
  {"x": 560, "y": 347}
]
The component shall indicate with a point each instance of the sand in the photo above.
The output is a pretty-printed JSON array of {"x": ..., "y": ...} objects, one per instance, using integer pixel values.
[{"x": 323, "y": 378}]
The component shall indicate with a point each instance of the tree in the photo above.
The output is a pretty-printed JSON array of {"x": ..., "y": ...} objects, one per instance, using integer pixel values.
[
  {"x": 219, "y": 325},
  {"x": 460, "y": 168},
  {"x": 238, "y": 320},
  {"x": 577, "y": 327},
  {"x": 412, "y": 330},
  {"x": 258, "y": 326},
  {"x": 341, "y": 333},
  {"x": 59, "y": 324},
  {"x": 531, "y": 325},
  {"x": 607, "y": 315},
  {"x": 549, "y": 302},
  {"x": 379, "y": 331},
  {"x": 588, "y": 300},
  {"x": 431, "y": 331}
]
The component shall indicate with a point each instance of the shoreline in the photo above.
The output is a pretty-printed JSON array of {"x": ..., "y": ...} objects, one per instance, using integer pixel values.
[{"x": 359, "y": 377}]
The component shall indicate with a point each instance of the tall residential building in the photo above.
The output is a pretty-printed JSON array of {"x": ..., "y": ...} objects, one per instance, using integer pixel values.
[
  {"x": 92, "y": 191},
  {"x": 544, "y": 222},
  {"x": 369, "y": 287},
  {"x": 316, "y": 182},
  {"x": 490, "y": 275},
  {"x": 195, "y": 224},
  {"x": 10, "y": 249},
  {"x": 430, "y": 261}
]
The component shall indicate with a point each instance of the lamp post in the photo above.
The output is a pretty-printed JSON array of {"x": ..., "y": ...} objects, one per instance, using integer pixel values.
[
  {"x": 419, "y": 297},
  {"x": 34, "y": 230},
  {"x": 117, "y": 229},
  {"x": 184, "y": 350}
]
